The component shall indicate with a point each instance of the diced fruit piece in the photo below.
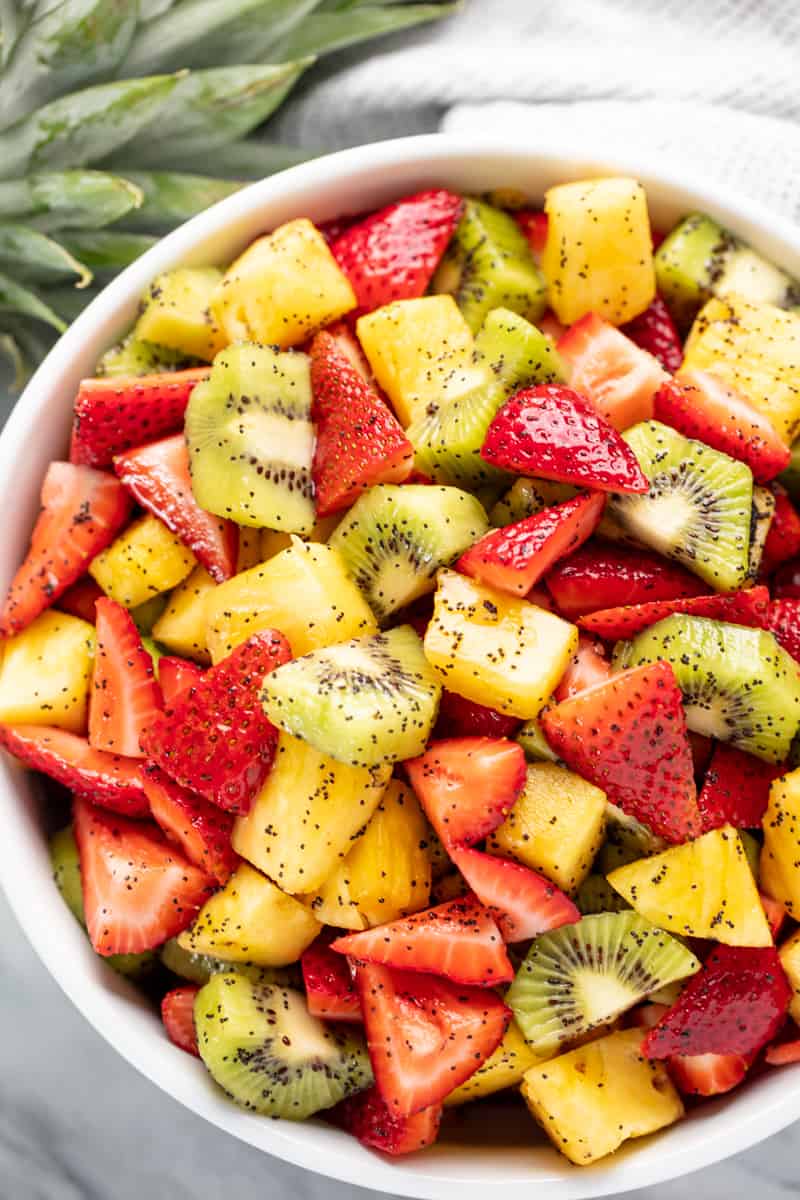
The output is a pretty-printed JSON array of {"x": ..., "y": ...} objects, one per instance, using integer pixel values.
[
  {"x": 639, "y": 1097},
  {"x": 368, "y": 1118},
  {"x": 502, "y": 1069},
  {"x": 522, "y": 903},
  {"x": 654, "y": 331},
  {"x": 425, "y": 1035},
  {"x": 533, "y": 223},
  {"x": 307, "y": 815},
  {"x": 126, "y": 697},
  {"x": 284, "y": 287},
  {"x": 265, "y": 1050},
  {"x": 46, "y": 672},
  {"x": 138, "y": 890},
  {"x": 526, "y": 498},
  {"x": 79, "y": 599},
  {"x": 780, "y": 866},
  {"x": 330, "y": 990},
  {"x": 176, "y": 675},
  {"x": 459, "y": 717},
  {"x": 703, "y": 889},
  {"x": 783, "y": 619},
  {"x": 534, "y": 743},
  {"x": 775, "y": 913},
  {"x": 251, "y": 441},
  {"x": 604, "y": 576},
  {"x": 182, "y": 625},
  {"x": 201, "y": 830},
  {"x": 610, "y": 370},
  {"x": 199, "y": 968},
  {"x": 142, "y": 562},
  {"x": 790, "y": 961},
  {"x": 748, "y": 607},
  {"x": 707, "y": 1074},
  {"x": 764, "y": 507},
  {"x": 596, "y": 895},
  {"x": 783, "y": 536},
  {"x": 133, "y": 357},
  {"x": 587, "y": 667},
  {"x": 496, "y": 649},
  {"x": 598, "y": 256},
  {"x": 785, "y": 585},
  {"x": 177, "y": 313},
  {"x": 626, "y": 841},
  {"x": 783, "y": 1052},
  {"x": 177, "y": 1013},
  {"x": 736, "y": 789},
  {"x": 272, "y": 542},
  {"x": 216, "y": 740}
]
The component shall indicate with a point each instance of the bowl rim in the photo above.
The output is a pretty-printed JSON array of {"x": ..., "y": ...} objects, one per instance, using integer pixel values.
[{"x": 59, "y": 943}]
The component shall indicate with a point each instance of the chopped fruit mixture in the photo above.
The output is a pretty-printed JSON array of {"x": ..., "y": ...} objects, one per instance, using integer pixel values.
[{"x": 420, "y": 648}]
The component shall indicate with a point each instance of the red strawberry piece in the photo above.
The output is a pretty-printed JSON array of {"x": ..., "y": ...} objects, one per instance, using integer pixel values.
[
  {"x": 775, "y": 913},
  {"x": 514, "y": 558},
  {"x": 607, "y": 367},
  {"x": 786, "y": 581},
  {"x": 783, "y": 537},
  {"x": 551, "y": 432},
  {"x": 367, "y": 1117},
  {"x": 736, "y": 789},
  {"x": 701, "y": 405},
  {"x": 533, "y": 223},
  {"x": 330, "y": 991},
  {"x": 628, "y": 736},
  {"x": 215, "y": 740},
  {"x": 647, "y": 1015},
  {"x": 734, "y": 1005},
  {"x": 82, "y": 511},
  {"x": 786, "y": 1050},
  {"x": 392, "y": 254},
  {"x": 177, "y": 1013},
  {"x": 707, "y": 1074},
  {"x": 783, "y": 619},
  {"x": 80, "y": 599},
  {"x": 748, "y": 607},
  {"x": 348, "y": 344},
  {"x": 425, "y": 1035},
  {"x": 202, "y": 830},
  {"x": 702, "y": 749},
  {"x": 467, "y": 786},
  {"x": 654, "y": 331},
  {"x": 521, "y": 902},
  {"x": 126, "y": 697},
  {"x": 359, "y": 441},
  {"x": 336, "y": 226},
  {"x": 157, "y": 475},
  {"x": 115, "y": 414},
  {"x": 176, "y": 675},
  {"x": 458, "y": 940},
  {"x": 106, "y": 779},
  {"x": 586, "y": 668},
  {"x": 459, "y": 717},
  {"x": 551, "y": 326},
  {"x": 601, "y": 575},
  {"x": 138, "y": 890}
]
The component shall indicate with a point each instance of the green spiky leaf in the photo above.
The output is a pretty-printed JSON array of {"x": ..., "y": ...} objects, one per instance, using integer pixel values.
[
  {"x": 35, "y": 258},
  {"x": 326, "y": 31},
  {"x": 22, "y": 302},
  {"x": 69, "y": 199},
  {"x": 107, "y": 249},
  {"x": 170, "y": 198}
]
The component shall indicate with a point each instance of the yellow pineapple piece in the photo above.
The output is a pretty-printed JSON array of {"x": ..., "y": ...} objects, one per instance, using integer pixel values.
[
  {"x": 251, "y": 920},
  {"x": 556, "y": 825},
  {"x": 386, "y": 874},
  {"x": 248, "y": 552},
  {"x": 283, "y": 288},
  {"x": 780, "y": 856},
  {"x": 704, "y": 888},
  {"x": 306, "y": 816},
  {"x": 593, "y": 1099},
  {"x": 421, "y": 353},
  {"x": 273, "y": 541},
  {"x": 753, "y": 347},
  {"x": 504, "y": 1068},
  {"x": 496, "y": 649},
  {"x": 182, "y": 625},
  {"x": 790, "y": 961},
  {"x": 46, "y": 673},
  {"x": 176, "y": 313},
  {"x": 304, "y": 592},
  {"x": 144, "y": 560}
]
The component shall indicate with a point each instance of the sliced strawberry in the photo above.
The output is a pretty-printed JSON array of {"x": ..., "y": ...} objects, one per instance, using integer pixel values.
[
  {"x": 786, "y": 1050},
  {"x": 82, "y": 511},
  {"x": 654, "y": 331},
  {"x": 459, "y": 717},
  {"x": 105, "y": 779},
  {"x": 701, "y": 405},
  {"x": 177, "y": 1013},
  {"x": 125, "y": 697},
  {"x": 602, "y": 575},
  {"x": 786, "y": 580},
  {"x": 425, "y": 1035},
  {"x": 702, "y": 749},
  {"x": 215, "y": 740},
  {"x": 467, "y": 785},
  {"x": 367, "y": 1117},
  {"x": 514, "y": 558},
  {"x": 336, "y": 226},
  {"x": 115, "y": 414},
  {"x": 176, "y": 675},
  {"x": 607, "y": 367},
  {"x": 775, "y": 913},
  {"x": 80, "y": 599},
  {"x": 330, "y": 991},
  {"x": 348, "y": 344},
  {"x": 157, "y": 475},
  {"x": 138, "y": 890},
  {"x": 736, "y": 789},
  {"x": 522, "y": 903},
  {"x": 552, "y": 432},
  {"x": 628, "y": 736},
  {"x": 734, "y": 1005},
  {"x": 783, "y": 537},
  {"x": 551, "y": 326},
  {"x": 783, "y": 619},
  {"x": 458, "y": 940},
  {"x": 359, "y": 441},
  {"x": 586, "y": 668},
  {"x": 707, "y": 1074},
  {"x": 202, "y": 830},
  {"x": 533, "y": 223},
  {"x": 392, "y": 254},
  {"x": 749, "y": 607}
]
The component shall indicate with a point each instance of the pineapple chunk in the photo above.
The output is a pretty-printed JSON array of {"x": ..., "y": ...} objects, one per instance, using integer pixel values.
[
  {"x": 790, "y": 961},
  {"x": 251, "y": 920},
  {"x": 304, "y": 592},
  {"x": 307, "y": 815},
  {"x": 176, "y": 313},
  {"x": 504, "y": 1068},
  {"x": 556, "y": 825},
  {"x": 182, "y": 625},
  {"x": 596, "y": 1097},
  {"x": 496, "y": 649},
  {"x": 144, "y": 560},
  {"x": 702, "y": 889},
  {"x": 387, "y": 873},
  {"x": 46, "y": 673},
  {"x": 599, "y": 252},
  {"x": 273, "y": 541},
  {"x": 756, "y": 348},
  {"x": 780, "y": 857},
  {"x": 248, "y": 551},
  {"x": 283, "y": 288},
  {"x": 421, "y": 353}
]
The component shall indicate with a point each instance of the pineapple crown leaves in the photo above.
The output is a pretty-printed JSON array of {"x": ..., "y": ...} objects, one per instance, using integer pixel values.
[{"x": 120, "y": 120}]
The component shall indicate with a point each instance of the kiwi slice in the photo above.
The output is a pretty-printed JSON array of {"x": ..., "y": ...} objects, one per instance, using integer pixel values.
[
  {"x": 133, "y": 356},
  {"x": 527, "y": 497},
  {"x": 760, "y": 521},
  {"x": 626, "y": 841},
  {"x": 395, "y": 539},
  {"x": 596, "y": 895},
  {"x": 535, "y": 745},
  {"x": 367, "y": 701},
  {"x": 739, "y": 685},
  {"x": 263, "y": 1047},
  {"x": 251, "y": 441},
  {"x": 698, "y": 510},
  {"x": 199, "y": 968},
  {"x": 579, "y": 977}
]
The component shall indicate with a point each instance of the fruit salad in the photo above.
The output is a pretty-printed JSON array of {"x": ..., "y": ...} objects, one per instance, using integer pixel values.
[{"x": 413, "y": 632}]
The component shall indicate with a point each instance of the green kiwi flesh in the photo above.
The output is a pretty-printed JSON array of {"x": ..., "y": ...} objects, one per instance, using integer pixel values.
[
  {"x": 199, "y": 968},
  {"x": 626, "y": 841},
  {"x": 535, "y": 745},
  {"x": 527, "y": 497},
  {"x": 763, "y": 512},
  {"x": 133, "y": 356},
  {"x": 596, "y": 895}
]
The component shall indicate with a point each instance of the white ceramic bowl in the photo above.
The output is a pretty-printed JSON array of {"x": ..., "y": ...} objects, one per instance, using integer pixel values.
[{"x": 488, "y": 1146}]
